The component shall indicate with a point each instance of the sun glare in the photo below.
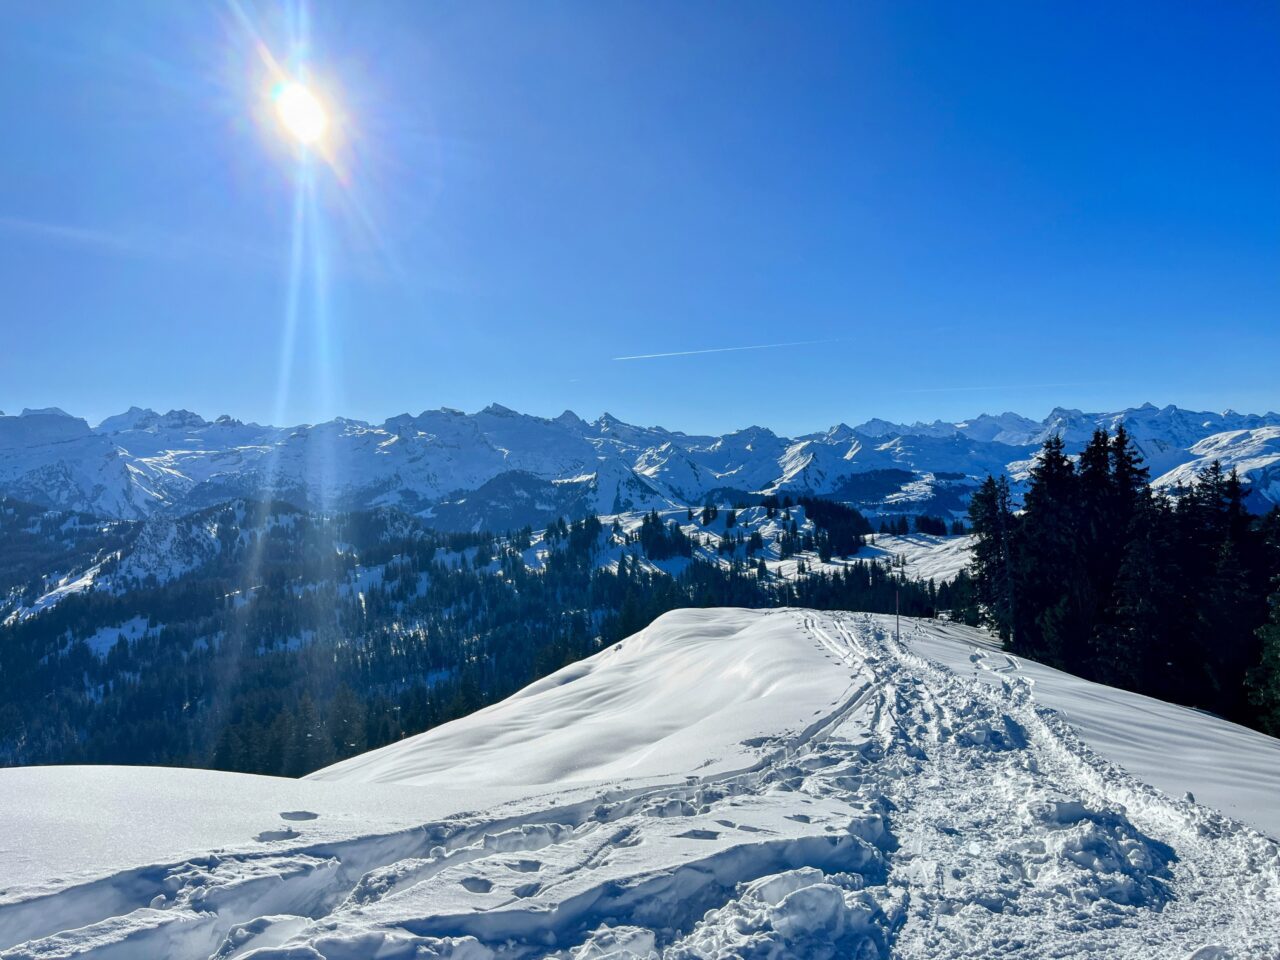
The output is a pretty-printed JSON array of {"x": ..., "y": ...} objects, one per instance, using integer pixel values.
[{"x": 301, "y": 113}]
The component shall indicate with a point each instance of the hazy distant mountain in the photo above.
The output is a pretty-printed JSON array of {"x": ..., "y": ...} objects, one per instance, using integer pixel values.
[{"x": 498, "y": 467}]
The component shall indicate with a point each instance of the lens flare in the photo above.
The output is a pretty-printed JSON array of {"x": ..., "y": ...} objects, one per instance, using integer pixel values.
[{"x": 301, "y": 113}]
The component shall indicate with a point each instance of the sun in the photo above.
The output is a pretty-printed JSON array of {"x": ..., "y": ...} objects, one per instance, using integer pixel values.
[{"x": 301, "y": 113}]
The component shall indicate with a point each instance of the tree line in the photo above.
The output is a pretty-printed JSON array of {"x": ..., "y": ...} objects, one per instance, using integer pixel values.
[{"x": 1101, "y": 575}]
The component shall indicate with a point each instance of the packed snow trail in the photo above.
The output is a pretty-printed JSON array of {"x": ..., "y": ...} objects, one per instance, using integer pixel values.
[{"x": 916, "y": 812}]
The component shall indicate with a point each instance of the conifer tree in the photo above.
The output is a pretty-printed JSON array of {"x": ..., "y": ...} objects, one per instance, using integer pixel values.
[
  {"x": 1132, "y": 649},
  {"x": 1129, "y": 477},
  {"x": 1049, "y": 569},
  {"x": 992, "y": 520},
  {"x": 1264, "y": 679},
  {"x": 1228, "y": 644}
]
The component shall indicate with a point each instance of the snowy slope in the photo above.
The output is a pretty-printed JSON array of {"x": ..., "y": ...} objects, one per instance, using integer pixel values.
[
  {"x": 1229, "y": 767},
  {"x": 1254, "y": 453},
  {"x": 55, "y": 460},
  {"x": 682, "y": 695},
  {"x": 921, "y": 556},
  {"x": 145, "y": 815},
  {"x": 784, "y": 784}
]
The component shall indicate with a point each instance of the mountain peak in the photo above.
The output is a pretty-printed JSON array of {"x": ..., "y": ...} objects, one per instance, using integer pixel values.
[
  {"x": 755, "y": 430},
  {"x": 183, "y": 418},
  {"x": 144, "y": 418},
  {"x": 132, "y": 419},
  {"x": 45, "y": 412},
  {"x": 838, "y": 432},
  {"x": 877, "y": 427}
]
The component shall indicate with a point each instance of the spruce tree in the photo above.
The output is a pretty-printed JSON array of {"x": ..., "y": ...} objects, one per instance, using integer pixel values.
[
  {"x": 1264, "y": 679},
  {"x": 1132, "y": 649},
  {"x": 1129, "y": 477},
  {"x": 992, "y": 522},
  {"x": 1050, "y": 568},
  {"x": 1227, "y": 638}
]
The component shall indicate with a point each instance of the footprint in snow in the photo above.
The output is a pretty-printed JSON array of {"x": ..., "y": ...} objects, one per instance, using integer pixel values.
[
  {"x": 266, "y": 836},
  {"x": 746, "y": 827},
  {"x": 299, "y": 815}
]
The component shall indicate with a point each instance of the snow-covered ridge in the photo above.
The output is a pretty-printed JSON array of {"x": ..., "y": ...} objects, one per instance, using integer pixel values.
[
  {"x": 657, "y": 705},
  {"x": 726, "y": 783},
  {"x": 138, "y": 462}
]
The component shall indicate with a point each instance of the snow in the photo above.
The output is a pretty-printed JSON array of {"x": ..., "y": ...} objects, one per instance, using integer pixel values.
[
  {"x": 136, "y": 463},
  {"x": 66, "y": 586},
  {"x": 1254, "y": 453},
  {"x": 56, "y": 460},
  {"x": 921, "y": 556},
  {"x": 143, "y": 815},
  {"x": 727, "y": 783},
  {"x": 102, "y": 640},
  {"x": 1225, "y": 765},
  {"x": 682, "y": 695}
]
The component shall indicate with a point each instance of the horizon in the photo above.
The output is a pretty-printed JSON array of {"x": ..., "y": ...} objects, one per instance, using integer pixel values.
[
  {"x": 95, "y": 423},
  {"x": 847, "y": 212}
]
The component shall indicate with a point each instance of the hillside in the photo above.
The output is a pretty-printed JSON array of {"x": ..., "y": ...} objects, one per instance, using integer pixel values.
[
  {"x": 498, "y": 469},
  {"x": 726, "y": 782},
  {"x": 265, "y": 639}
]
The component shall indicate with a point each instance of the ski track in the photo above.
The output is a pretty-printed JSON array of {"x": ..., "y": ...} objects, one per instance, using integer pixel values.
[{"x": 923, "y": 815}]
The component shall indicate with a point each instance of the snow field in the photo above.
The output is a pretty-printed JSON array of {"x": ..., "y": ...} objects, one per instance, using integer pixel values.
[
  {"x": 909, "y": 810},
  {"x": 921, "y": 556}
]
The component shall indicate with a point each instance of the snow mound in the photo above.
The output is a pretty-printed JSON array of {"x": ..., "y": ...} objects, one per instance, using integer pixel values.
[{"x": 682, "y": 695}]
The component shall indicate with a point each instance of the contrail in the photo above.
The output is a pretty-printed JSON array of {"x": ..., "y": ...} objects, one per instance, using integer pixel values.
[
  {"x": 147, "y": 245},
  {"x": 68, "y": 234},
  {"x": 1008, "y": 386},
  {"x": 754, "y": 346}
]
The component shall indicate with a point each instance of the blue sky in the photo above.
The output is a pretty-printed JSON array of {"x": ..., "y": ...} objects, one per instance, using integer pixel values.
[{"x": 943, "y": 208}]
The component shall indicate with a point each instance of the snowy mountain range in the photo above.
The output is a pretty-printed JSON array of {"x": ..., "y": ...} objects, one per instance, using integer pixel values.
[{"x": 499, "y": 468}]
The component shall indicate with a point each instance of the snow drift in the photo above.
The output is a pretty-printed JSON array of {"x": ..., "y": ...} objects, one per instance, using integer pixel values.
[{"x": 691, "y": 692}]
